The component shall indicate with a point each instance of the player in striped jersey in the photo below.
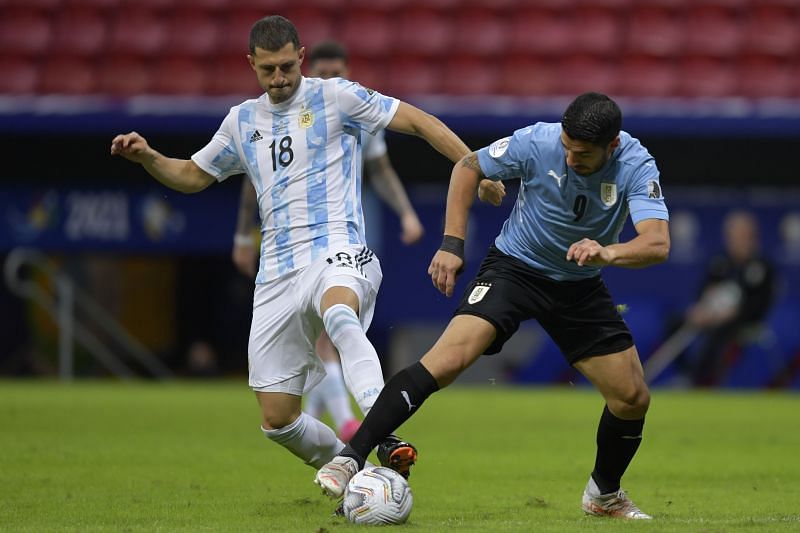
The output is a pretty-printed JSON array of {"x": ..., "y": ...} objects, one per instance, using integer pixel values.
[
  {"x": 330, "y": 60},
  {"x": 300, "y": 145}
]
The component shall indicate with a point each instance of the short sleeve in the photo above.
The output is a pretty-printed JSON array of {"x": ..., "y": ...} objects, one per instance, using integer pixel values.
[
  {"x": 220, "y": 157},
  {"x": 374, "y": 145},
  {"x": 364, "y": 108},
  {"x": 646, "y": 199},
  {"x": 505, "y": 158}
]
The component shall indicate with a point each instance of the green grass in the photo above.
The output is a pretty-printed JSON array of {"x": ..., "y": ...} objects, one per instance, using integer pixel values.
[{"x": 102, "y": 456}]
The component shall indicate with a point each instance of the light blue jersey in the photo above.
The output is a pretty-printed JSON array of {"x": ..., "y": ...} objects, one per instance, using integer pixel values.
[
  {"x": 556, "y": 207},
  {"x": 303, "y": 157}
]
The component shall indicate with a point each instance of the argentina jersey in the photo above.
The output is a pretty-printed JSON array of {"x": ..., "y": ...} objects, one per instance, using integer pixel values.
[
  {"x": 556, "y": 207},
  {"x": 303, "y": 157}
]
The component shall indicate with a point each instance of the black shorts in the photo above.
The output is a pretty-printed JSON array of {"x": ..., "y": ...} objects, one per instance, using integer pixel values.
[{"x": 579, "y": 315}]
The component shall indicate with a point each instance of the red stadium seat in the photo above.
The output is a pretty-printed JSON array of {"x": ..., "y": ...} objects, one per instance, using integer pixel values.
[
  {"x": 191, "y": 33},
  {"x": 20, "y": 75},
  {"x": 383, "y": 5},
  {"x": 595, "y": 30},
  {"x": 579, "y": 74},
  {"x": 646, "y": 76},
  {"x": 369, "y": 73},
  {"x": 138, "y": 33},
  {"x": 233, "y": 75},
  {"x": 234, "y": 34},
  {"x": 423, "y": 31},
  {"x": 766, "y": 77},
  {"x": 713, "y": 30},
  {"x": 540, "y": 32},
  {"x": 124, "y": 76},
  {"x": 655, "y": 31},
  {"x": 707, "y": 77},
  {"x": 179, "y": 75},
  {"x": 25, "y": 34},
  {"x": 470, "y": 76},
  {"x": 313, "y": 25},
  {"x": 413, "y": 76},
  {"x": 65, "y": 75},
  {"x": 367, "y": 33},
  {"x": 773, "y": 29},
  {"x": 80, "y": 32},
  {"x": 98, "y": 5},
  {"x": 527, "y": 75},
  {"x": 480, "y": 32},
  {"x": 34, "y": 5}
]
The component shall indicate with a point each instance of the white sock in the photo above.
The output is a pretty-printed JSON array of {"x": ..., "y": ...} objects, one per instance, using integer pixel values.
[
  {"x": 360, "y": 365},
  {"x": 337, "y": 399},
  {"x": 309, "y": 439}
]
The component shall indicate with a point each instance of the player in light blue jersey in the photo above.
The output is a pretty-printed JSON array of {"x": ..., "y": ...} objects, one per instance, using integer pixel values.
[
  {"x": 580, "y": 181},
  {"x": 300, "y": 145}
]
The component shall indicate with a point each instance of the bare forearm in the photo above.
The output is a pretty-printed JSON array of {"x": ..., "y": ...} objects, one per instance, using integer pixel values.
[
  {"x": 248, "y": 204},
  {"x": 414, "y": 121},
  {"x": 642, "y": 251},
  {"x": 179, "y": 174},
  {"x": 460, "y": 195}
]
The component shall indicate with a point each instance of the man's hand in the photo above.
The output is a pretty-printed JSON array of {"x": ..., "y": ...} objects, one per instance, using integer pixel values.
[
  {"x": 589, "y": 252},
  {"x": 443, "y": 270},
  {"x": 412, "y": 229},
  {"x": 491, "y": 191},
  {"x": 244, "y": 257},
  {"x": 131, "y": 146}
]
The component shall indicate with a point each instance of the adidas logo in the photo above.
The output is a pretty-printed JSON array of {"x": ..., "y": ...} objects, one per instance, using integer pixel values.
[{"x": 256, "y": 136}]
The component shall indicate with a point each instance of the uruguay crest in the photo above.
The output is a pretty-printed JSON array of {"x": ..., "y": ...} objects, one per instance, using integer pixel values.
[{"x": 608, "y": 193}]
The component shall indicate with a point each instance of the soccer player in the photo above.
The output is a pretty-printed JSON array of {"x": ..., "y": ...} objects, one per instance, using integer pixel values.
[
  {"x": 329, "y": 60},
  {"x": 580, "y": 179},
  {"x": 300, "y": 145}
]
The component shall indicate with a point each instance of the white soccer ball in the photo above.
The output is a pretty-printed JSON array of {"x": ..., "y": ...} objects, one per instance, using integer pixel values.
[{"x": 377, "y": 495}]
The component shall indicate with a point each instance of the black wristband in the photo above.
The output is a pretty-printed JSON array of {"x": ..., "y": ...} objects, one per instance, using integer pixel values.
[{"x": 454, "y": 245}]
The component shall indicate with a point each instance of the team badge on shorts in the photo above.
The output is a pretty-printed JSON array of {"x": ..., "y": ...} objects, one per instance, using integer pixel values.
[
  {"x": 478, "y": 292},
  {"x": 608, "y": 193}
]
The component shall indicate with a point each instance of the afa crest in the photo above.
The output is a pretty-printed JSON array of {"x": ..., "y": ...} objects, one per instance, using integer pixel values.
[{"x": 306, "y": 119}]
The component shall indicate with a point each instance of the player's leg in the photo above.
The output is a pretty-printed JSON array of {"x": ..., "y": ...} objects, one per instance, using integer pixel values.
[
  {"x": 306, "y": 437},
  {"x": 331, "y": 394},
  {"x": 282, "y": 363},
  {"x": 464, "y": 340},
  {"x": 620, "y": 379}
]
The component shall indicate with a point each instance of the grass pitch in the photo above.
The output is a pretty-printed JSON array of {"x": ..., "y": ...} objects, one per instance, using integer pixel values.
[{"x": 104, "y": 456}]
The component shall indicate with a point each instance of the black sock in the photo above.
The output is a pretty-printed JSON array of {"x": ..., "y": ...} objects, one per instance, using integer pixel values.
[
  {"x": 399, "y": 399},
  {"x": 617, "y": 442}
]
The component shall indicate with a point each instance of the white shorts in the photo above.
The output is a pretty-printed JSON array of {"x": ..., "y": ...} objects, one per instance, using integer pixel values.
[{"x": 287, "y": 318}]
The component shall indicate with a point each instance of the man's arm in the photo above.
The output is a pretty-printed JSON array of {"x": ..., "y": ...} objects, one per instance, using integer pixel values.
[
  {"x": 179, "y": 174},
  {"x": 449, "y": 260},
  {"x": 414, "y": 121},
  {"x": 390, "y": 189},
  {"x": 649, "y": 247},
  {"x": 244, "y": 248}
]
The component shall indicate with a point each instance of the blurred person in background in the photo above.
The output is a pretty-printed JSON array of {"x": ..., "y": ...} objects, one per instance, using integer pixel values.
[
  {"x": 735, "y": 298},
  {"x": 300, "y": 145},
  {"x": 580, "y": 180},
  {"x": 329, "y": 60}
]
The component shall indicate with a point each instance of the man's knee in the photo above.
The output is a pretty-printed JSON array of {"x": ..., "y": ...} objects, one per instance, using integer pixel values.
[
  {"x": 278, "y": 410},
  {"x": 630, "y": 403}
]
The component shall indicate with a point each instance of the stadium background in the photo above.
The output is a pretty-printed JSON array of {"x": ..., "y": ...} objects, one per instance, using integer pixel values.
[{"x": 712, "y": 88}]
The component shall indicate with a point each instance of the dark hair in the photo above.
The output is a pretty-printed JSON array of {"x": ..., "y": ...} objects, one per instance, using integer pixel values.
[
  {"x": 327, "y": 50},
  {"x": 272, "y": 34},
  {"x": 592, "y": 117}
]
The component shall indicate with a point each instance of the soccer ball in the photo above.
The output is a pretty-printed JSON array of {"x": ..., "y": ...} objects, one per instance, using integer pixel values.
[{"x": 377, "y": 495}]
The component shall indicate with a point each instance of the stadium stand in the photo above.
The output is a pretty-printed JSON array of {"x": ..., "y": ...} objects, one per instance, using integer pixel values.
[{"x": 714, "y": 48}]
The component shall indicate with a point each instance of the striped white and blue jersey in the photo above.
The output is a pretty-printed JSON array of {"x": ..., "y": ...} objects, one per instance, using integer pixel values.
[
  {"x": 304, "y": 158},
  {"x": 557, "y": 207}
]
